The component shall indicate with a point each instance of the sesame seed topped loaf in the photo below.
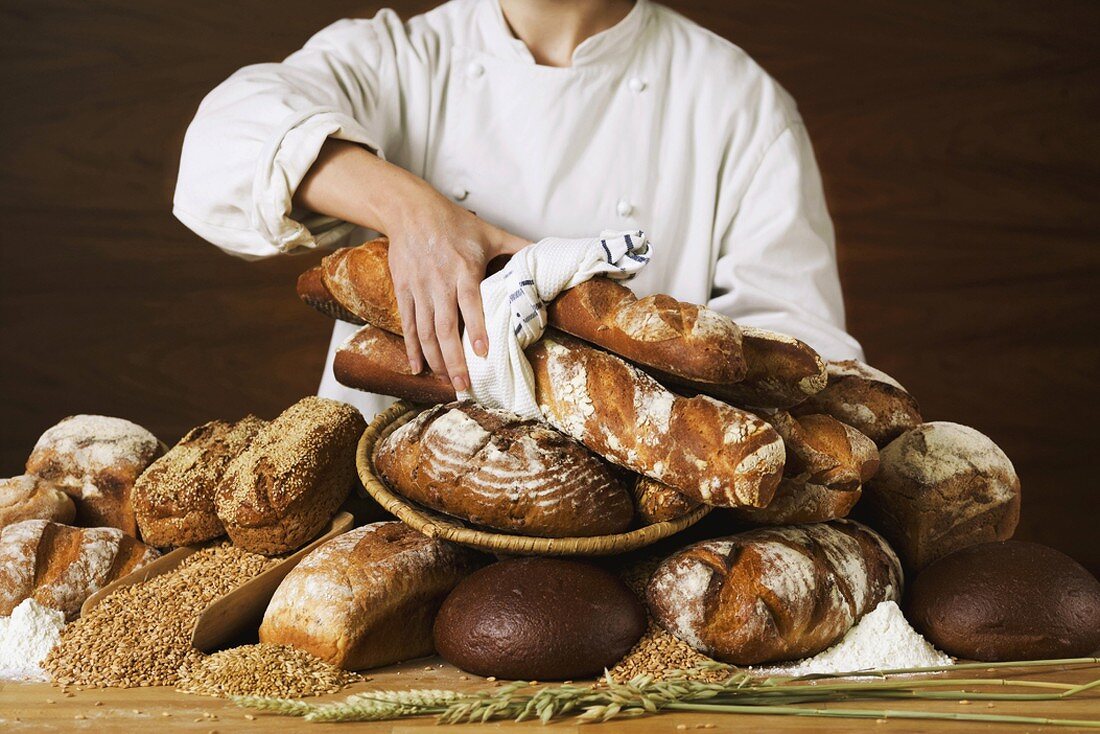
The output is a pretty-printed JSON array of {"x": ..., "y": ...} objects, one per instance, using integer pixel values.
[
  {"x": 774, "y": 593},
  {"x": 495, "y": 469},
  {"x": 174, "y": 498},
  {"x": 96, "y": 459},
  {"x": 292, "y": 478},
  {"x": 708, "y": 450}
]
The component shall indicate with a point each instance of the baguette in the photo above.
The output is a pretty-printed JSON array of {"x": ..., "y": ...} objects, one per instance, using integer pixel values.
[
  {"x": 374, "y": 360},
  {"x": 688, "y": 341},
  {"x": 775, "y": 593}
]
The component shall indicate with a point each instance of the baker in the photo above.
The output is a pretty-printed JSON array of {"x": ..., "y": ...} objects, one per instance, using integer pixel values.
[{"x": 545, "y": 117}]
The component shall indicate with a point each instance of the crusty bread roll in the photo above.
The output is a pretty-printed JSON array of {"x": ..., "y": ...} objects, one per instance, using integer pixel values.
[
  {"x": 774, "y": 593},
  {"x": 823, "y": 451},
  {"x": 28, "y": 497},
  {"x": 699, "y": 446},
  {"x": 941, "y": 487},
  {"x": 866, "y": 399},
  {"x": 291, "y": 479},
  {"x": 359, "y": 280},
  {"x": 797, "y": 502},
  {"x": 96, "y": 459},
  {"x": 495, "y": 469},
  {"x": 174, "y": 498},
  {"x": 61, "y": 566},
  {"x": 655, "y": 502},
  {"x": 368, "y": 597}
]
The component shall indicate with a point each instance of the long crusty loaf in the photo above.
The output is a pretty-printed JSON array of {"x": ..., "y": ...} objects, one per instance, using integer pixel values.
[
  {"x": 699, "y": 446},
  {"x": 823, "y": 451},
  {"x": 774, "y": 593},
  {"x": 688, "y": 341},
  {"x": 368, "y": 597},
  {"x": 61, "y": 566},
  {"x": 496, "y": 469},
  {"x": 373, "y": 359}
]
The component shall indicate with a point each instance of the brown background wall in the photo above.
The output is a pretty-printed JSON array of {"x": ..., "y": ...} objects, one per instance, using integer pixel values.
[{"x": 958, "y": 141}]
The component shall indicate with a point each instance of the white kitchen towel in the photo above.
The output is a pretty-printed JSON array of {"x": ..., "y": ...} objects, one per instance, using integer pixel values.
[{"x": 514, "y": 300}]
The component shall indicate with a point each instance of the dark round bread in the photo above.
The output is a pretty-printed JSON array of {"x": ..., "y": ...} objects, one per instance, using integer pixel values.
[
  {"x": 538, "y": 619},
  {"x": 1007, "y": 601}
]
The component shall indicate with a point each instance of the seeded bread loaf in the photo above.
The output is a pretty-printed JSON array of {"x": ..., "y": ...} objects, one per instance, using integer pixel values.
[
  {"x": 655, "y": 502},
  {"x": 96, "y": 459},
  {"x": 798, "y": 502},
  {"x": 495, "y": 469},
  {"x": 61, "y": 566},
  {"x": 711, "y": 452},
  {"x": 291, "y": 479},
  {"x": 692, "y": 342},
  {"x": 368, "y": 597},
  {"x": 774, "y": 593},
  {"x": 174, "y": 498},
  {"x": 28, "y": 497},
  {"x": 823, "y": 451},
  {"x": 942, "y": 487},
  {"x": 866, "y": 399}
]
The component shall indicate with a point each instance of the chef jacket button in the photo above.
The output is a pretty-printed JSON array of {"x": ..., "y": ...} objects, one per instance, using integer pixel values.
[
  {"x": 459, "y": 193},
  {"x": 625, "y": 208},
  {"x": 636, "y": 84},
  {"x": 475, "y": 69}
]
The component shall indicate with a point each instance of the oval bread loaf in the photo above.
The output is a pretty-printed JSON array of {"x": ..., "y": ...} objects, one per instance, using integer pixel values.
[
  {"x": 775, "y": 593},
  {"x": 797, "y": 502},
  {"x": 823, "y": 451},
  {"x": 867, "y": 399},
  {"x": 495, "y": 469},
  {"x": 28, "y": 497},
  {"x": 368, "y": 597}
]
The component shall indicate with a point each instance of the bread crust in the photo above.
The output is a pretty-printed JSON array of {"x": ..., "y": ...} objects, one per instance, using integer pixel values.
[
  {"x": 798, "y": 502},
  {"x": 867, "y": 399},
  {"x": 28, "y": 497},
  {"x": 375, "y": 360},
  {"x": 498, "y": 470},
  {"x": 655, "y": 502},
  {"x": 823, "y": 451},
  {"x": 368, "y": 597},
  {"x": 314, "y": 293}
]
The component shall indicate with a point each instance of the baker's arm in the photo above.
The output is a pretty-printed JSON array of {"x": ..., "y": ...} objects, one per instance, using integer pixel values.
[{"x": 777, "y": 264}]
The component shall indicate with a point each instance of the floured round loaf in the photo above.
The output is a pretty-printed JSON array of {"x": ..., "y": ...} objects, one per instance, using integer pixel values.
[
  {"x": 96, "y": 459},
  {"x": 774, "y": 593},
  {"x": 279, "y": 493},
  {"x": 368, "y": 597},
  {"x": 539, "y": 619},
  {"x": 496, "y": 469},
  {"x": 174, "y": 498},
  {"x": 61, "y": 566},
  {"x": 797, "y": 502},
  {"x": 867, "y": 399},
  {"x": 940, "y": 487},
  {"x": 1007, "y": 601},
  {"x": 28, "y": 497}
]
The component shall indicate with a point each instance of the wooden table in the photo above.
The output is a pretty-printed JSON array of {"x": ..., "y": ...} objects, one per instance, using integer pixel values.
[{"x": 42, "y": 707}]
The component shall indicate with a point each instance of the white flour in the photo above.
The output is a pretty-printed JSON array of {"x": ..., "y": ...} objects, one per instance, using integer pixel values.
[
  {"x": 882, "y": 640},
  {"x": 26, "y": 637}
]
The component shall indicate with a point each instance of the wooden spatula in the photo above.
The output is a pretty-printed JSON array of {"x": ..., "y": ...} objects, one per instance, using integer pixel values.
[{"x": 231, "y": 615}]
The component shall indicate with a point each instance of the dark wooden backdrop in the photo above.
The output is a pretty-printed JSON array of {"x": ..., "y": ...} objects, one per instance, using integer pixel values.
[{"x": 958, "y": 142}]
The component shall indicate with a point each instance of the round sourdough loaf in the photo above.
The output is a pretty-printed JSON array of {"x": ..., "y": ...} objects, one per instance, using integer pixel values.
[
  {"x": 797, "y": 502},
  {"x": 27, "y": 497},
  {"x": 940, "y": 487},
  {"x": 495, "y": 469},
  {"x": 174, "y": 498},
  {"x": 1007, "y": 601},
  {"x": 539, "y": 619},
  {"x": 289, "y": 482},
  {"x": 368, "y": 597},
  {"x": 867, "y": 399},
  {"x": 96, "y": 459},
  {"x": 774, "y": 593}
]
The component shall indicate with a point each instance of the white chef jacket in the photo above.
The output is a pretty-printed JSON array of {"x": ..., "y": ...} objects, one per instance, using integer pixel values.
[{"x": 658, "y": 125}]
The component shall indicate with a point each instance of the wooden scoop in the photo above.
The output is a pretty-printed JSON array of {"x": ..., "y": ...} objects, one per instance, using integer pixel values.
[{"x": 229, "y": 616}]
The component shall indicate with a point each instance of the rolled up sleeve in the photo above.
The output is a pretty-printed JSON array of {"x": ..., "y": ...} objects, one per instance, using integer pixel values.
[
  {"x": 257, "y": 134},
  {"x": 777, "y": 265}
]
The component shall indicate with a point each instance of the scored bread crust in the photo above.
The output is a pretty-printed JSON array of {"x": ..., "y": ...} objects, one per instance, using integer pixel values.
[
  {"x": 823, "y": 451},
  {"x": 655, "y": 502},
  {"x": 798, "y": 502},
  {"x": 375, "y": 360},
  {"x": 314, "y": 293},
  {"x": 298, "y": 469},
  {"x": 174, "y": 498},
  {"x": 773, "y": 594},
  {"x": 496, "y": 469},
  {"x": 28, "y": 497},
  {"x": 368, "y": 597}
]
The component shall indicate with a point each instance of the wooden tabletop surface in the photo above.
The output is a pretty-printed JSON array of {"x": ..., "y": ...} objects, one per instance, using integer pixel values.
[{"x": 42, "y": 707}]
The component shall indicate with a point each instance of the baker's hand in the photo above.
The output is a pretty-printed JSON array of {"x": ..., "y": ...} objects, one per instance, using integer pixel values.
[{"x": 438, "y": 255}]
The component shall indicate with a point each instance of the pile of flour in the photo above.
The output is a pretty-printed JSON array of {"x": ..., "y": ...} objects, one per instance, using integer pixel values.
[
  {"x": 26, "y": 637},
  {"x": 882, "y": 640}
]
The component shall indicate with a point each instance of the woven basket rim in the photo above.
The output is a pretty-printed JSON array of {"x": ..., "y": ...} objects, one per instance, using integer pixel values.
[{"x": 438, "y": 526}]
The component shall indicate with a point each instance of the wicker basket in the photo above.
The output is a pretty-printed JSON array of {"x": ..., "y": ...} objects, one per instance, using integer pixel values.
[{"x": 435, "y": 525}]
